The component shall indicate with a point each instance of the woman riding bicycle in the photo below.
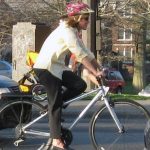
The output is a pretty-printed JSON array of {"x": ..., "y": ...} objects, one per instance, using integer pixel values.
[{"x": 52, "y": 72}]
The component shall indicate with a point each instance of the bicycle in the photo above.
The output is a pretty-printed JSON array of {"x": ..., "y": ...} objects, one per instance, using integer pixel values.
[{"x": 116, "y": 118}]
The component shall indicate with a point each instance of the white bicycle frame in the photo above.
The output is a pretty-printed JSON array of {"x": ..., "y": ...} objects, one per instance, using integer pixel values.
[{"x": 101, "y": 95}]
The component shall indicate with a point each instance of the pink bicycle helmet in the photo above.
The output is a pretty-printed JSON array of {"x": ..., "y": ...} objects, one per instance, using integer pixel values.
[{"x": 78, "y": 8}]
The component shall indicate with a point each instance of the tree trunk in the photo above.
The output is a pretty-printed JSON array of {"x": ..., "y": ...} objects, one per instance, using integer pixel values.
[
  {"x": 138, "y": 69},
  {"x": 139, "y": 60}
]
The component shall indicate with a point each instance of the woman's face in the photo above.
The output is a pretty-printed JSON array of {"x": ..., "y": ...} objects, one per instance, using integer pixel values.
[{"x": 83, "y": 23}]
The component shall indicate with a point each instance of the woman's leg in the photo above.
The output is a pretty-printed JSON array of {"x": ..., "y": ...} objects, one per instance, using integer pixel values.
[
  {"x": 53, "y": 88},
  {"x": 74, "y": 84}
]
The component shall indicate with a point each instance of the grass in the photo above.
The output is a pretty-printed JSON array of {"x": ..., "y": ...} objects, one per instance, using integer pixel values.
[
  {"x": 129, "y": 89},
  {"x": 129, "y": 96}
]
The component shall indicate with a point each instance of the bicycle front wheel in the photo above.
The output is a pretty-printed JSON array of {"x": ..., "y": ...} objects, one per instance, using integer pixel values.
[{"x": 104, "y": 132}]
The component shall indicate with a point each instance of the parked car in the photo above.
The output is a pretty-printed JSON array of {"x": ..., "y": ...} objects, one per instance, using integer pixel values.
[
  {"x": 145, "y": 91},
  {"x": 8, "y": 85},
  {"x": 114, "y": 80},
  {"x": 9, "y": 90},
  {"x": 5, "y": 69}
]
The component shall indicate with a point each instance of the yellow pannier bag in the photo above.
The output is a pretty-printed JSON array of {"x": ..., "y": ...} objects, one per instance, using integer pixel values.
[
  {"x": 24, "y": 88},
  {"x": 31, "y": 58}
]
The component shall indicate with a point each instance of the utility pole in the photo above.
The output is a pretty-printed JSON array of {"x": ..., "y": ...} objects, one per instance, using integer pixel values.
[
  {"x": 93, "y": 27},
  {"x": 89, "y": 37}
]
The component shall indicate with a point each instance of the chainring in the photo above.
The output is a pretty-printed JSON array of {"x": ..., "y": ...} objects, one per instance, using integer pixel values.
[{"x": 66, "y": 136}]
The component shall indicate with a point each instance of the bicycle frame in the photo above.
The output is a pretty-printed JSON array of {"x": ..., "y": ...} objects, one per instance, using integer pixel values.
[{"x": 101, "y": 94}]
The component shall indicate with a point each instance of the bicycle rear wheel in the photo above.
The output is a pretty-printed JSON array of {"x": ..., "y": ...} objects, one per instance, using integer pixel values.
[
  {"x": 104, "y": 132},
  {"x": 16, "y": 113}
]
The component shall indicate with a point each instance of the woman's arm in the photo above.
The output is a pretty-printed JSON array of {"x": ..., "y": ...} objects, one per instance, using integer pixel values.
[
  {"x": 96, "y": 64},
  {"x": 89, "y": 65}
]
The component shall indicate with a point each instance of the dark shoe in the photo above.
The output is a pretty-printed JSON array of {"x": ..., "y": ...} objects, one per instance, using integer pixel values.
[
  {"x": 57, "y": 148},
  {"x": 46, "y": 146}
]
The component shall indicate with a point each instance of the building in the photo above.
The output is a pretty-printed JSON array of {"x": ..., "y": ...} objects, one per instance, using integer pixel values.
[{"x": 116, "y": 19}]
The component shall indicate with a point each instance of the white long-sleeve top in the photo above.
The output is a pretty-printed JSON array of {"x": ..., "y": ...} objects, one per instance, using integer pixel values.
[{"x": 52, "y": 54}]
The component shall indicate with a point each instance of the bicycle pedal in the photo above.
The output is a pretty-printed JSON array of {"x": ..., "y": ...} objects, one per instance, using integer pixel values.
[{"x": 16, "y": 143}]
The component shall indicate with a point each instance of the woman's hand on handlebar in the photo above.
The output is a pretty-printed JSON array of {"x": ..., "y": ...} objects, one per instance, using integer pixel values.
[
  {"x": 100, "y": 74},
  {"x": 100, "y": 77}
]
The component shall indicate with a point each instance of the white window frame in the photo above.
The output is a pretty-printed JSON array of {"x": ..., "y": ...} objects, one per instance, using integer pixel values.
[
  {"x": 124, "y": 35},
  {"x": 148, "y": 35},
  {"x": 125, "y": 10},
  {"x": 129, "y": 15},
  {"x": 124, "y": 53}
]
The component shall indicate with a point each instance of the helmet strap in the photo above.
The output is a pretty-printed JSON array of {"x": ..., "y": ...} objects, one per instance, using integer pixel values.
[{"x": 79, "y": 18}]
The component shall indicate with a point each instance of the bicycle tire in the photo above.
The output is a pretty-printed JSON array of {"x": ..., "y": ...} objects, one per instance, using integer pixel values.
[
  {"x": 16, "y": 113},
  {"x": 104, "y": 133}
]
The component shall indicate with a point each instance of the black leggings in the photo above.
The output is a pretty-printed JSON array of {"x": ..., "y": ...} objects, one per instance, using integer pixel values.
[{"x": 75, "y": 86}]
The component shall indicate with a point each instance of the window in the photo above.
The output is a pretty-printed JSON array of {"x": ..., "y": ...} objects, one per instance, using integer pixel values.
[
  {"x": 126, "y": 13},
  {"x": 128, "y": 54},
  {"x": 124, "y": 34},
  {"x": 147, "y": 53},
  {"x": 148, "y": 35},
  {"x": 124, "y": 10},
  {"x": 112, "y": 76}
]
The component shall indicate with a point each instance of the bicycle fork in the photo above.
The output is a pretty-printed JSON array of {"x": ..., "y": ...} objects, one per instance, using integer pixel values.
[{"x": 114, "y": 116}]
